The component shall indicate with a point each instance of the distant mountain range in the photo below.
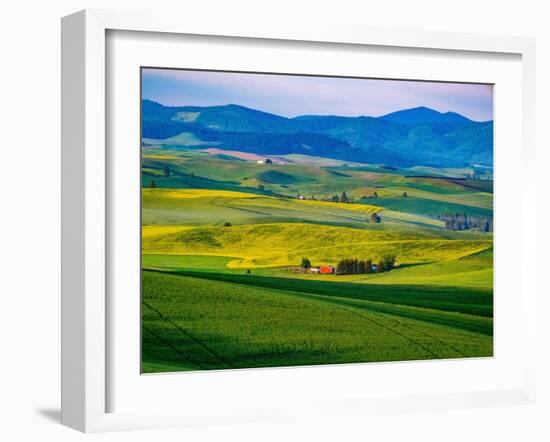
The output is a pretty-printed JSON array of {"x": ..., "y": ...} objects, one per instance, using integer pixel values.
[{"x": 410, "y": 137}]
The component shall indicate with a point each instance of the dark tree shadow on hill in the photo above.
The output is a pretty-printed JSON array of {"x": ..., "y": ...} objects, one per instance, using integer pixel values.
[{"x": 418, "y": 264}]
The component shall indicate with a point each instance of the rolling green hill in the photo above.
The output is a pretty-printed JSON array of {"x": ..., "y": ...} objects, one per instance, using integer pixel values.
[
  {"x": 428, "y": 195},
  {"x": 203, "y": 207},
  {"x": 424, "y": 206},
  {"x": 275, "y": 245}
]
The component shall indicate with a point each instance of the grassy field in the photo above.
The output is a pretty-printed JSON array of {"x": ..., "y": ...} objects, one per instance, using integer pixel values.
[
  {"x": 223, "y": 237},
  {"x": 250, "y": 325}
]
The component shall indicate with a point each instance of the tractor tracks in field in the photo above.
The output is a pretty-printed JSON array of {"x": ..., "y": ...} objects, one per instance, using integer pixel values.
[
  {"x": 387, "y": 328},
  {"x": 163, "y": 341},
  {"x": 435, "y": 338},
  {"x": 355, "y": 311},
  {"x": 190, "y": 337},
  {"x": 412, "y": 329}
]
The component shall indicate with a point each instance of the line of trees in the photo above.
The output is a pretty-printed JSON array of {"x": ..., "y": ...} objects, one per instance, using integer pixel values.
[
  {"x": 461, "y": 221},
  {"x": 343, "y": 198},
  {"x": 475, "y": 176},
  {"x": 354, "y": 266}
]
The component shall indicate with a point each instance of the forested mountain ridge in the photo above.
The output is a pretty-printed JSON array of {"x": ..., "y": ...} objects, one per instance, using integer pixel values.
[{"x": 410, "y": 137}]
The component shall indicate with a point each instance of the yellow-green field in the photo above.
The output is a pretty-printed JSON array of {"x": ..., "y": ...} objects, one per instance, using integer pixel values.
[{"x": 277, "y": 245}]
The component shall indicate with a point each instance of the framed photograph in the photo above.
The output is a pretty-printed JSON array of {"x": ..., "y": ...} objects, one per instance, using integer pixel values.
[{"x": 266, "y": 222}]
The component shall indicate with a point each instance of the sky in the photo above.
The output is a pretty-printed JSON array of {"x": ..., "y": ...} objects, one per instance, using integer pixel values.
[{"x": 292, "y": 95}]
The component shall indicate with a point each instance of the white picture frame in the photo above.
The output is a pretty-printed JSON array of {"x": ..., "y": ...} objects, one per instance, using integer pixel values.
[{"x": 86, "y": 210}]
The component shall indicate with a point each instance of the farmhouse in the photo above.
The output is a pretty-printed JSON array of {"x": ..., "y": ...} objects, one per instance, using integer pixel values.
[
  {"x": 314, "y": 269},
  {"x": 327, "y": 270}
]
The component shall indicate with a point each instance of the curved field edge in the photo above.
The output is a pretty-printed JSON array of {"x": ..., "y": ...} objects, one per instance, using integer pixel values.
[
  {"x": 471, "y": 271},
  {"x": 192, "y": 323},
  {"x": 461, "y": 300}
]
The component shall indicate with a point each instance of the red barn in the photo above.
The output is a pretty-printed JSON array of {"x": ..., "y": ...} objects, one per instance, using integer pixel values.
[{"x": 328, "y": 270}]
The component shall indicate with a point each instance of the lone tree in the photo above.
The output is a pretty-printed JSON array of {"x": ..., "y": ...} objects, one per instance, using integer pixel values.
[
  {"x": 268, "y": 161},
  {"x": 227, "y": 224},
  {"x": 306, "y": 263},
  {"x": 344, "y": 198},
  {"x": 405, "y": 195},
  {"x": 152, "y": 184},
  {"x": 375, "y": 218},
  {"x": 166, "y": 170},
  {"x": 386, "y": 263},
  {"x": 375, "y": 194}
]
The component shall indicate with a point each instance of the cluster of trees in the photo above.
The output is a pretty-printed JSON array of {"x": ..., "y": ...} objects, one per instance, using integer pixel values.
[
  {"x": 386, "y": 264},
  {"x": 343, "y": 198},
  {"x": 475, "y": 176},
  {"x": 354, "y": 266},
  {"x": 461, "y": 221},
  {"x": 368, "y": 197}
]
